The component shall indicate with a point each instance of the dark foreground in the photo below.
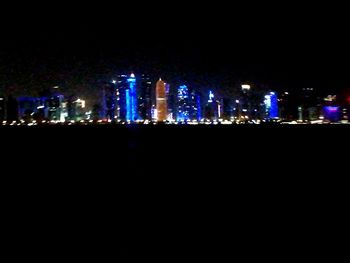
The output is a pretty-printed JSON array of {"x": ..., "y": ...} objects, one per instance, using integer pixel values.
[
  {"x": 172, "y": 146},
  {"x": 185, "y": 193}
]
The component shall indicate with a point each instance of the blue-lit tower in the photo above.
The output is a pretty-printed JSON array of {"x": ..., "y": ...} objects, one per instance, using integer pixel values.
[
  {"x": 127, "y": 98},
  {"x": 109, "y": 102},
  {"x": 183, "y": 104},
  {"x": 271, "y": 105},
  {"x": 196, "y": 107},
  {"x": 131, "y": 99},
  {"x": 198, "y": 103}
]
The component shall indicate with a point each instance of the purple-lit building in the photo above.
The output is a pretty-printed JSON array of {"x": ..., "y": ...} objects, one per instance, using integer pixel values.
[{"x": 332, "y": 113}]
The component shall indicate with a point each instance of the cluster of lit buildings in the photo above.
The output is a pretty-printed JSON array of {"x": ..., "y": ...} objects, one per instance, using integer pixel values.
[
  {"x": 137, "y": 99},
  {"x": 132, "y": 99}
]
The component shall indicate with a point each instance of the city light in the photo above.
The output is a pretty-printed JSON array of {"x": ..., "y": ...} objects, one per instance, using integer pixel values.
[
  {"x": 211, "y": 96},
  {"x": 246, "y": 87},
  {"x": 135, "y": 99}
]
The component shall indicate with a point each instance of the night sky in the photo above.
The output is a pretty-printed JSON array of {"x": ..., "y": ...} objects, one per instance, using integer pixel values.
[{"x": 286, "y": 47}]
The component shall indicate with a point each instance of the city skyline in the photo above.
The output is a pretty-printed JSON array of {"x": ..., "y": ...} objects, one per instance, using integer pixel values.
[{"x": 135, "y": 98}]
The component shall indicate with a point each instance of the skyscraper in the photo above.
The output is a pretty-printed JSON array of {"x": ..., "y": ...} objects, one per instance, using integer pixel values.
[
  {"x": 162, "y": 110},
  {"x": 2, "y": 108},
  {"x": 227, "y": 109},
  {"x": 127, "y": 97},
  {"x": 171, "y": 99},
  {"x": 144, "y": 98},
  {"x": 196, "y": 107},
  {"x": 183, "y": 104},
  {"x": 271, "y": 106},
  {"x": 109, "y": 103},
  {"x": 210, "y": 111},
  {"x": 54, "y": 104}
]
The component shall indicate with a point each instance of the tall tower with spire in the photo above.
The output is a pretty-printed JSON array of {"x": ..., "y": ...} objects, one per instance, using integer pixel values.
[{"x": 162, "y": 109}]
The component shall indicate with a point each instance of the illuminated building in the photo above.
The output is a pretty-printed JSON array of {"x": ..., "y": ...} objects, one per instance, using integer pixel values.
[
  {"x": 251, "y": 103},
  {"x": 144, "y": 97},
  {"x": 109, "y": 103},
  {"x": 309, "y": 105},
  {"x": 171, "y": 102},
  {"x": 54, "y": 105},
  {"x": 41, "y": 108},
  {"x": 2, "y": 108},
  {"x": 79, "y": 106},
  {"x": 127, "y": 97},
  {"x": 162, "y": 110},
  {"x": 211, "y": 96},
  {"x": 210, "y": 111},
  {"x": 131, "y": 99},
  {"x": 121, "y": 96},
  {"x": 219, "y": 104},
  {"x": 332, "y": 113},
  {"x": 183, "y": 104},
  {"x": 29, "y": 106},
  {"x": 196, "y": 106},
  {"x": 246, "y": 88},
  {"x": 271, "y": 106},
  {"x": 288, "y": 106},
  {"x": 245, "y": 102}
]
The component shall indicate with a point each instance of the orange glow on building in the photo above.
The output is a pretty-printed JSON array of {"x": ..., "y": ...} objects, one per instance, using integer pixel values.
[{"x": 162, "y": 109}]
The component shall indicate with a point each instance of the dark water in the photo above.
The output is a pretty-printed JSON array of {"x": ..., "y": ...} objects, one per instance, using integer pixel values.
[{"x": 158, "y": 192}]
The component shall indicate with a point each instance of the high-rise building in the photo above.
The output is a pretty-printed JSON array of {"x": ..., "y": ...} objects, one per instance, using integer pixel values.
[
  {"x": 309, "y": 104},
  {"x": 245, "y": 102},
  {"x": 2, "y": 108},
  {"x": 271, "y": 106},
  {"x": 288, "y": 106},
  {"x": 251, "y": 102},
  {"x": 144, "y": 97},
  {"x": 162, "y": 108},
  {"x": 75, "y": 109},
  {"x": 227, "y": 109},
  {"x": 132, "y": 98},
  {"x": 195, "y": 106},
  {"x": 109, "y": 100},
  {"x": 171, "y": 102},
  {"x": 41, "y": 108},
  {"x": 183, "y": 104},
  {"x": 54, "y": 104},
  {"x": 210, "y": 111},
  {"x": 127, "y": 97},
  {"x": 27, "y": 106}
]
